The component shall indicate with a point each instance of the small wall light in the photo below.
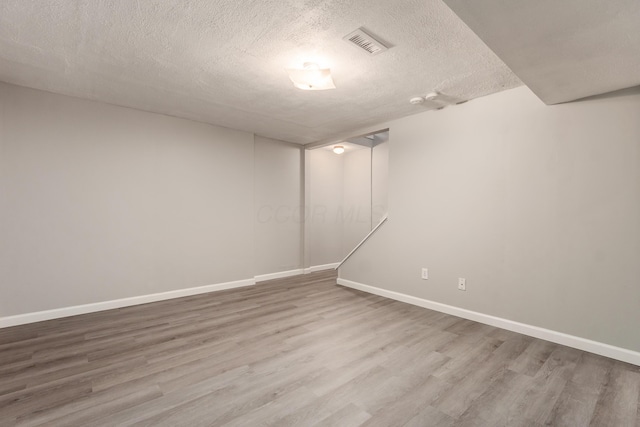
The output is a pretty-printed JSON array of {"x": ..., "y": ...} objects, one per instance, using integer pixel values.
[{"x": 338, "y": 149}]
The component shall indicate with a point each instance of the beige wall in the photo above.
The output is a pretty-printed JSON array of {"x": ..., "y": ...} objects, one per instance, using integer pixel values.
[
  {"x": 537, "y": 206},
  {"x": 279, "y": 206}
]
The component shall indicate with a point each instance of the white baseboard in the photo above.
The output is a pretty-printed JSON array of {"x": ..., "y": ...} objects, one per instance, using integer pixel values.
[
  {"x": 279, "y": 275},
  {"x": 602, "y": 349},
  {"x": 315, "y": 268},
  {"x": 39, "y": 316}
]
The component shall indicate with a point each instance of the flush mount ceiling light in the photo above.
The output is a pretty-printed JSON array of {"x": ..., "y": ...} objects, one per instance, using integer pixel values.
[
  {"x": 311, "y": 77},
  {"x": 338, "y": 149}
]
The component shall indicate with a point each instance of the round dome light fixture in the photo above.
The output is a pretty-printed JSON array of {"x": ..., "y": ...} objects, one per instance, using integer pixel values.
[
  {"x": 338, "y": 149},
  {"x": 417, "y": 100},
  {"x": 311, "y": 77}
]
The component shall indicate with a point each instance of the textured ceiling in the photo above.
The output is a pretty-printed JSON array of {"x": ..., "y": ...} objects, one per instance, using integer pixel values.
[
  {"x": 223, "y": 61},
  {"x": 562, "y": 50}
]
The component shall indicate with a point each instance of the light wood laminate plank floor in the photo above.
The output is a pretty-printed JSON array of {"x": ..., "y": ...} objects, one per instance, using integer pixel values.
[{"x": 300, "y": 351}]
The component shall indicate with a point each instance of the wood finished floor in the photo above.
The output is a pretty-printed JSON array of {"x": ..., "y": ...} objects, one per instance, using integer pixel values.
[{"x": 300, "y": 351}]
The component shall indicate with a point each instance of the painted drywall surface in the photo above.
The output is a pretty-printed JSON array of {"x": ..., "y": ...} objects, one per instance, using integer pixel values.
[
  {"x": 324, "y": 176},
  {"x": 379, "y": 182},
  {"x": 338, "y": 202},
  {"x": 538, "y": 207},
  {"x": 279, "y": 207},
  {"x": 100, "y": 202},
  {"x": 356, "y": 198}
]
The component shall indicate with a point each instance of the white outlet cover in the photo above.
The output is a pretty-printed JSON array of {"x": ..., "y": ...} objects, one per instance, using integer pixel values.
[
  {"x": 425, "y": 273},
  {"x": 462, "y": 284}
]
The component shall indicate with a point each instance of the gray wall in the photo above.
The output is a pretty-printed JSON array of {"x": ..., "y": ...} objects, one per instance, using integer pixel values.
[
  {"x": 324, "y": 189},
  {"x": 99, "y": 202},
  {"x": 338, "y": 203},
  {"x": 356, "y": 198},
  {"x": 379, "y": 182},
  {"x": 538, "y": 207},
  {"x": 278, "y": 205}
]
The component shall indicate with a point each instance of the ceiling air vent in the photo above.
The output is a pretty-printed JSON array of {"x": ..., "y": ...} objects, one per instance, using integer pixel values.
[{"x": 365, "y": 41}]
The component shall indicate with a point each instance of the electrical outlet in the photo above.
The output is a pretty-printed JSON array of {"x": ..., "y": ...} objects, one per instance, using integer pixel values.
[
  {"x": 425, "y": 274},
  {"x": 462, "y": 284}
]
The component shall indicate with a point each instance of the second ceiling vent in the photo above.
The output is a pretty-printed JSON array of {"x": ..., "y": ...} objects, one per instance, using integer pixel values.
[{"x": 365, "y": 42}]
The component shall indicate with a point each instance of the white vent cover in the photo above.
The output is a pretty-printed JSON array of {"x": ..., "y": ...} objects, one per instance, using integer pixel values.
[{"x": 365, "y": 41}]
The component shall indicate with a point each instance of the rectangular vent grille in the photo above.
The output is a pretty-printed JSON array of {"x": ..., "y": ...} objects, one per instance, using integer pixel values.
[{"x": 365, "y": 41}]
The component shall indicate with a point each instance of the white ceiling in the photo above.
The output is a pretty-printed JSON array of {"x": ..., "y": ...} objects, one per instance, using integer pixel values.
[
  {"x": 223, "y": 61},
  {"x": 562, "y": 50}
]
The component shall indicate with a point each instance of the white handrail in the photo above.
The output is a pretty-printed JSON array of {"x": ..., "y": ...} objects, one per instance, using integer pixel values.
[{"x": 373, "y": 230}]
